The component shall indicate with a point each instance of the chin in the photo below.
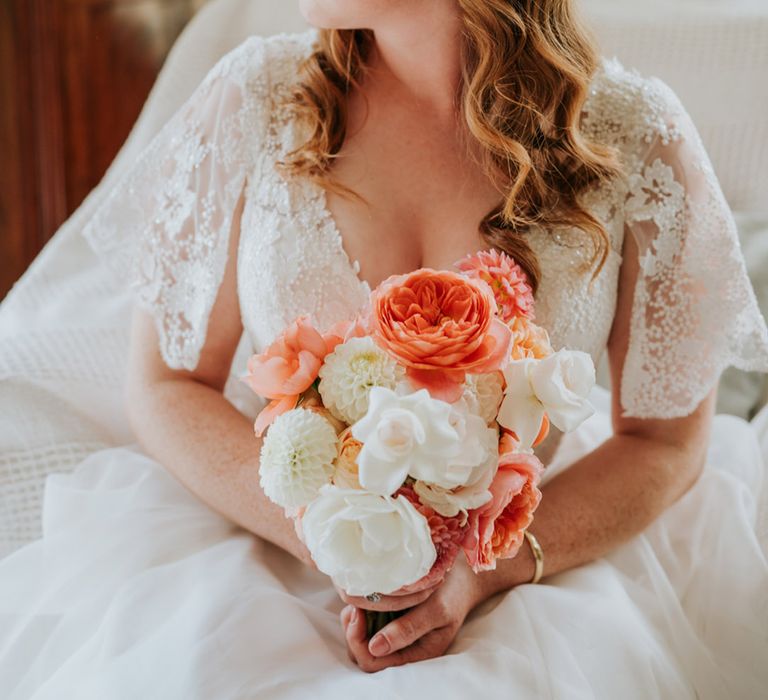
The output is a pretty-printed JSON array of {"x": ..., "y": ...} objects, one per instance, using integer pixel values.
[{"x": 345, "y": 14}]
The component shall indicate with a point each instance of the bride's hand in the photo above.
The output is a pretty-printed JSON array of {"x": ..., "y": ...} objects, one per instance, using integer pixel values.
[
  {"x": 392, "y": 601},
  {"x": 422, "y": 633}
]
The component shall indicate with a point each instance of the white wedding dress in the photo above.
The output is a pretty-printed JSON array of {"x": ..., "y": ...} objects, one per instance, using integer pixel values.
[{"x": 139, "y": 590}]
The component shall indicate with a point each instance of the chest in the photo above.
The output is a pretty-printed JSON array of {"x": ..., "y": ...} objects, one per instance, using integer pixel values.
[
  {"x": 293, "y": 259},
  {"x": 420, "y": 198}
]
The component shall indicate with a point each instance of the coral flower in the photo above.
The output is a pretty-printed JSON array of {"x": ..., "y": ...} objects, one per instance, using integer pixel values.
[
  {"x": 439, "y": 325},
  {"x": 506, "y": 278},
  {"x": 287, "y": 368},
  {"x": 496, "y": 529}
]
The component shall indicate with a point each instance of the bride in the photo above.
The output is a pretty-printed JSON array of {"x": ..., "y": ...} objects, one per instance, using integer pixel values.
[{"x": 306, "y": 169}]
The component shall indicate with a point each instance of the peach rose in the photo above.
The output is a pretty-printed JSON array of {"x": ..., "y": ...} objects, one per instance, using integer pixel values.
[
  {"x": 287, "y": 368},
  {"x": 439, "y": 326},
  {"x": 496, "y": 528},
  {"x": 346, "y": 472},
  {"x": 529, "y": 340},
  {"x": 506, "y": 278}
]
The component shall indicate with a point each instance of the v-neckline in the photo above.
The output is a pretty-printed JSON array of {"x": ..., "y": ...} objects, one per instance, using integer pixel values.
[{"x": 332, "y": 229}]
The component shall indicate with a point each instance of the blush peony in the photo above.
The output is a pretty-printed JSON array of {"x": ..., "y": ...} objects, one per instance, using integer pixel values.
[{"x": 440, "y": 326}]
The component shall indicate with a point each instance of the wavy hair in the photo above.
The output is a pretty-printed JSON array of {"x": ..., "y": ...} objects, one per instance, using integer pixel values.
[{"x": 526, "y": 70}]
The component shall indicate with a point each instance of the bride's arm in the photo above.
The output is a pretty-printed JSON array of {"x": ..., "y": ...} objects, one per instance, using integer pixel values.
[
  {"x": 618, "y": 489},
  {"x": 182, "y": 419}
]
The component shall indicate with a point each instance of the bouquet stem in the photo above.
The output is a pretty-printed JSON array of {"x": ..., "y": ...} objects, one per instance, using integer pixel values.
[{"x": 376, "y": 620}]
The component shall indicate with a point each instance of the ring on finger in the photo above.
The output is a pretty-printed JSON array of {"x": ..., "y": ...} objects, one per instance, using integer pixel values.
[{"x": 373, "y": 597}]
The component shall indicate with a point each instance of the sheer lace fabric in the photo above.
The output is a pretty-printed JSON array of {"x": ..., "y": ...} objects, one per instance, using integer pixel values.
[
  {"x": 169, "y": 220},
  {"x": 693, "y": 313}
]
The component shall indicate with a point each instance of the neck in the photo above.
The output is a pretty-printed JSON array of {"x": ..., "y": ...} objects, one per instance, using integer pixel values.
[{"x": 420, "y": 59}]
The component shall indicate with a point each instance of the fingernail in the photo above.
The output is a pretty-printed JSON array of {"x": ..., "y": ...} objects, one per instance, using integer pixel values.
[
  {"x": 355, "y": 616},
  {"x": 379, "y": 645}
]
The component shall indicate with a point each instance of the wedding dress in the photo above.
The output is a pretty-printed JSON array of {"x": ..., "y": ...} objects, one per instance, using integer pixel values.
[{"x": 139, "y": 590}]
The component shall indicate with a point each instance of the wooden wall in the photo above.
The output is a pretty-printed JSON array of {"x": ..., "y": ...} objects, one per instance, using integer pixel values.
[{"x": 73, "y": 77}]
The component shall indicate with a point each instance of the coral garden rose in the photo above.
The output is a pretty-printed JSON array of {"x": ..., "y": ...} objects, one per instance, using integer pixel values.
[
  {"x": 505, "y": 277},
  {"x": 287, "y": 368},
  {"x": 440, "y": 326},
  {"x": 496, "y": 529}
]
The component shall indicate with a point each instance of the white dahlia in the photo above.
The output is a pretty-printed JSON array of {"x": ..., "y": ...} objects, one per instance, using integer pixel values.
[
  {"x": 297, "y": 457},
  {"x": 483, "y": 394},
  {"x": 350, "y": 372}
]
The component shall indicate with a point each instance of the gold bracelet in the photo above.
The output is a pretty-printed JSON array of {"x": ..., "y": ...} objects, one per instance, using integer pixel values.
[{"x": 538, "y": 555}]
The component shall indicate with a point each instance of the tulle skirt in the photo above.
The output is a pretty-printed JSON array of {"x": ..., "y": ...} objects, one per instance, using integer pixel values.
[{"x": 138, "y": 590}]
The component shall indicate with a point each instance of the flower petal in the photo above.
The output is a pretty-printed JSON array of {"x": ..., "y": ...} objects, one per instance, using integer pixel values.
[
  {"x": 446, "y": 385},
  {"x": 271, "y": 411}
]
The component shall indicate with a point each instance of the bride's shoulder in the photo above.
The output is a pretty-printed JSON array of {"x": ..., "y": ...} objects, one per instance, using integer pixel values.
[
  {"x": 266, "y": 60},
  {"x": 626, "y": 108}
]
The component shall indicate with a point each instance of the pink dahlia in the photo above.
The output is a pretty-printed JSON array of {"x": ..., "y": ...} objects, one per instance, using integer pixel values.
[
  {"x": 506, "y": 278},
  {"x": 447, "y": 536}
]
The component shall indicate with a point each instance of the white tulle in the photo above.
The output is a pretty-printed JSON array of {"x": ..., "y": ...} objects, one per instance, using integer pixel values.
[{"x": 138, "y": 590}]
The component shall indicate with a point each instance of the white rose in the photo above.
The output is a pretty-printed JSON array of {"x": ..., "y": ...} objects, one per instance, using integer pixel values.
[
  {"x": 557, "y": 385},
  {"x": 366, "y": 542},
  {"x": 473, "y": 494},
  {"x": 483, "y": 393},
  {"x": 431, "y": 440}
]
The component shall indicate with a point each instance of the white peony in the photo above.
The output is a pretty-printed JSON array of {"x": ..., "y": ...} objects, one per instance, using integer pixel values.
[
  {"x": 416, "y": 435},
  {"x": 366, "y": 542},
  {"x": 349, "y": 373},
  {"x": 483, "y": 394},
  {"x": 473, "y": 494},
  {"x": 557, "y": 385},
  {"x": 297, "y": 457}
]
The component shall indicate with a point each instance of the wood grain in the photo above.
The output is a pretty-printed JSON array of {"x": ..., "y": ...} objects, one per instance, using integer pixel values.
[{"x": 74, "y": 75}]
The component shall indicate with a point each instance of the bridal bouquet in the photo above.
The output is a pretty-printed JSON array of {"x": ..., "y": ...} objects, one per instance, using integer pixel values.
[{"x": 404, "y": 436}]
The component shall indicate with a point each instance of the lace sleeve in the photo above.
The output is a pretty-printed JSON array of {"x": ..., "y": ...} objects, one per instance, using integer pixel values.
[
  {"x": 694, "y": 311},
  {"x": 165, "y": 226}
]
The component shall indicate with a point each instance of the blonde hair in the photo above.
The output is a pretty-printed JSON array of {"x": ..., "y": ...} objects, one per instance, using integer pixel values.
[{"x": 526, "y": 68}]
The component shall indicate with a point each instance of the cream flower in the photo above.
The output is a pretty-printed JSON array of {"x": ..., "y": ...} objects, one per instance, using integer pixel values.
[
  {"x": 297, "y": 458},
  {"x": 366, "y": 542},
  {"x": 558, "y": 385},
  {"x": 416, "y": 435},
  {"x": 483, "y": 394},
  {"x": 473, "y": 493},
  {"x": 349, "y": 373}
]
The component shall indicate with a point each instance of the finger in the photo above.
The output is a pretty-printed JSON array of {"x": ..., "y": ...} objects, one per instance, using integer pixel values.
[
  {"x": 431, "y": 645},
  {"x": 404, "y": 631},
  {"x": 345, "y": 616},
  {"x": 346, "y": 611},
  {"x": 356, "y": 634},
  {"x": 391, "y": 602}
]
